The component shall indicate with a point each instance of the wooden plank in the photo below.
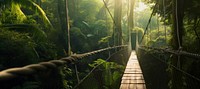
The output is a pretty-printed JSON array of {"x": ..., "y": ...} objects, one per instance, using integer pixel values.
[
  {"x": 127, "y": 75},
  {"x": 124, "y": 86},
  {"x": 132, "y": 86},
  {"x": 125, "y": 81},
  {"x": 133, "y": 77},
  {"x": 141, "y": 86}
]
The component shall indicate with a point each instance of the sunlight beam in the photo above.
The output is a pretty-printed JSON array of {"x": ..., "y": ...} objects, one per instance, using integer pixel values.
[{"x": 141, "y": 6}]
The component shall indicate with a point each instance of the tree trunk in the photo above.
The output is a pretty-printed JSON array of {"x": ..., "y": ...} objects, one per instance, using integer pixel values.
[
  {"x": 68, "y": 28},
  {"x": 177, "y": 16},
  {"x": 63, "y": 34},
  {"x": 117, "y": 34},
  {"x": 73, "y": 12},
  {"x": 130, "y": 20}
]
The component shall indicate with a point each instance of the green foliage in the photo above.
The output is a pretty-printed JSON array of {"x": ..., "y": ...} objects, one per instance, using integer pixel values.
[
  {"x": 93, "y": 83},
  {"x": 111, "y": 73},
  {"x": 188, "y": 25},
  {"x": 33, "y": 30},
  {"x": 104, "y": 40},
  {"x": 78, "y": 37},
  {"x": 97, "y": 62},
  {"x": 85, "y": 15},
  {"x": 24, "y": 36},
  {"x": 16, "y": 49},
  {"x": 190, "y": 38},
  {"x": 142, "y": 19},
  {"x": 15, "y": 8},
  {"x": 26, "y": 39},
  {"x": 139, "y": 32},
  {"x": 100, "y": 28},
  {"x": 8, "y": 18},
  {"x": 66, "y": 72},
  {"x": 88, "y": 6},
  {"x": 19, "y": 49},
  {"x": 43, "y": 48},
  {"x": 158, "y": 42}
]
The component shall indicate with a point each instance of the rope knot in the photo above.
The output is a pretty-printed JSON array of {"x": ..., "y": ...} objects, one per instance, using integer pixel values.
[{"x": 179, "y": 51}]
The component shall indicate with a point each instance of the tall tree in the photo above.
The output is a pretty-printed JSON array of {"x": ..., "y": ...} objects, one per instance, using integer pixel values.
[
  {"x": 117, "y": 34},
  {"x": 178, "y": 29},
  {"x": 130, "y": 19},
  {"x": 67, "y": 28}
]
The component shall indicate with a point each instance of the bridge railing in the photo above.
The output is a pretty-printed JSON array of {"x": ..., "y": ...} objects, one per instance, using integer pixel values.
[
  {"x": 176, "y": 52},
  {"x": 187, "y": 78},
  {"x": 32, "y": 69}
]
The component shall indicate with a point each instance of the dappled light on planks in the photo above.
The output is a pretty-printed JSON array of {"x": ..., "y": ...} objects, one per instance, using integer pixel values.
[{"x": 133, "y": 77}]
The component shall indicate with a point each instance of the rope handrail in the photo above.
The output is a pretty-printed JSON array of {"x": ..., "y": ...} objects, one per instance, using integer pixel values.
[
  {"x": 176, "y": 52},
  {"x": 94, "y": 68},
  {"x": 12, "y": 73}
]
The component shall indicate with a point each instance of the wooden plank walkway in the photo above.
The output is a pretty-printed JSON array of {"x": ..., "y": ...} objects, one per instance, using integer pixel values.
[{"x": 133, "y": 77}]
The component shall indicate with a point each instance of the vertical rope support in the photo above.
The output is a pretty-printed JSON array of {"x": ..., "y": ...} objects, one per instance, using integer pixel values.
[
  {"x": 76, "y": 72},
  {"x": 177, "y": 77},
  {"x": 147, "y": 31},
  {"x": 179, "y": 63},
  {"x": 109, "y": 53},
  {"x": 178, "y": 35},
  {"x": 158, "y": 24},
  {"x": 177, "y": 23},
  {"x": 150, "y": 28},
  {"x": 164, "y": 13}
]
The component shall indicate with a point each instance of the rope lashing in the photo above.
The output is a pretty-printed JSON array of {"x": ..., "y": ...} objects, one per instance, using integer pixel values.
[{"x": 45, "y": 66}]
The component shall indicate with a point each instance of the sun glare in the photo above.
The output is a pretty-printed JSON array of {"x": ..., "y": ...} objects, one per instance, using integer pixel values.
[{"x": 141, "y": 6}]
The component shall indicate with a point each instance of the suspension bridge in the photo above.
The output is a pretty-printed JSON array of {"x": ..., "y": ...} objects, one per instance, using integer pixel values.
[
  {"x": 136, "y": 74},
  {"x": 132, "y": 78}
]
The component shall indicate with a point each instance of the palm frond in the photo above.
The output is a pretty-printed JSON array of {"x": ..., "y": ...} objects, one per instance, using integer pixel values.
[
  {"x": 15, "y": 9},
  {"x": 40, "y": 11},
  {"x": 29, "y": 4}
]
